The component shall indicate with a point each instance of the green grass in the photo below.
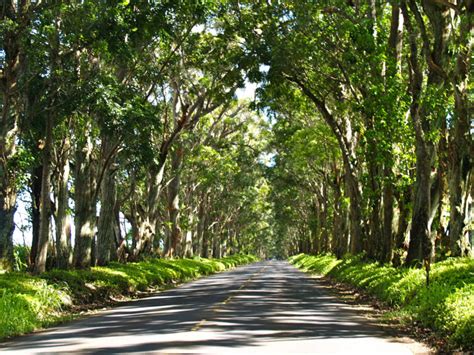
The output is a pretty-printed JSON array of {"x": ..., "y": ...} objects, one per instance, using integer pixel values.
[
  {"x": 446, "y": 306},
  {"x": 30, "y": 302}
]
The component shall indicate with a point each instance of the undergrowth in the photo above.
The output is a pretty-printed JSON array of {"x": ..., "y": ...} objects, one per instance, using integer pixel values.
[
  {"x": 30, "y": 302},
  {"x": 446, "y": 306}
]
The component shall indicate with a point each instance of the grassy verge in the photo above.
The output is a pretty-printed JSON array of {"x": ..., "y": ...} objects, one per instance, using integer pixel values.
[
  {"x": 446, "y": 306},
  {"x": 28, "y": 303}
]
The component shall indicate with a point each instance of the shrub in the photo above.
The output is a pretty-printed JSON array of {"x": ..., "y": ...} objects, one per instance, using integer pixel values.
[{"x": 21, "y": 254}]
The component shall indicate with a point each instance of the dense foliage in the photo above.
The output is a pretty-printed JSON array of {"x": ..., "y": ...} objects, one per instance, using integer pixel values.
[
  {"x": 445, "y": 306},
  {"x": 123, "y": 137},
  {"x": 121, "y": 124},
  {"x": 122, "y": 134},
  {"x": 372, "y": 129}
]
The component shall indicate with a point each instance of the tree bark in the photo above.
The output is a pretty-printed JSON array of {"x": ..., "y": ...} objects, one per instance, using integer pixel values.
[
  {"x": 36, "y": 184},
  {"x": 149, "y": 219},
  {"x": 85, "y": 204},
  {"x": 173, "y": 202},
  {"x": 353, "y": 192},
  {"x": 205, "y": 237},
  {"x": 339, "y": 235},
  {"x": 315, "y": 226},
  {"x": 13, "y": 68},
  {"x": 7, "y": 226},
  {"x": 421, "y": 244},
  {"x": 324, "y": 246},
  {"x": 461, "y": 162},
  {"x": 374, "y": 235},
  {"x": 189, "y": 237},
  {"x": 198, "y": 239},
  {"x": 62, "y": 218},
  {"x": 45, "y": 201},
  {"x": 216, "y": 245},
  {"x": 420, "y": 237},
  {"x": 106, "y": 240},
  {"x": 388, "y": 201}
]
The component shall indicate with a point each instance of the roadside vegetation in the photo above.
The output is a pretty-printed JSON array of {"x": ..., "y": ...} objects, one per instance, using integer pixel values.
[
  {"x": 446, "y": 305},
  {"x": 30, "y": 302},
  {"x": 181, "y": 129}
]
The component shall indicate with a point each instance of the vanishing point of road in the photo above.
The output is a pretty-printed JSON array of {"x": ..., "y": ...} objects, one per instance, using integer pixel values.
[{"x": 265, "y": 307}]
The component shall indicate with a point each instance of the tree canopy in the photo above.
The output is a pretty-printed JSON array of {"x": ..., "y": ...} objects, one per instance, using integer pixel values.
[{"x": 122, "y": 125}]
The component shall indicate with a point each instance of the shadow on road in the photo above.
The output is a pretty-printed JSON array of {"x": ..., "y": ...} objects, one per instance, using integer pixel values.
[{"x": 226, "y": 310}]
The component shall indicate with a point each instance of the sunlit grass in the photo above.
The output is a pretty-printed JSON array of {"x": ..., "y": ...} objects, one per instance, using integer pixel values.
[
  {"x": 31, "y": 303},
  {"x": 28, "y": 303},
  {"x": 446, "y": 306}
]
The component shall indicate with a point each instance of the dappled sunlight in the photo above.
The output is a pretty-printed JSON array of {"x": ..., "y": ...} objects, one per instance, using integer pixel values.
[{"x": 252, "y": 307}]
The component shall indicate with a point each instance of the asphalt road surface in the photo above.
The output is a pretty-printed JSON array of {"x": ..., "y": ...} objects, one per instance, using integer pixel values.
[{"x": 266, "y": 307}]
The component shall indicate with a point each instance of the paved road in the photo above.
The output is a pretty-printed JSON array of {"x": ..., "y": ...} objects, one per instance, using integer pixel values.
[{"x": 260, "y": 308}]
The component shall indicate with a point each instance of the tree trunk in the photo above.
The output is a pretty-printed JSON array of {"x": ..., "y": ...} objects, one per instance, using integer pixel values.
[
  {"x": 340, "y": 242},
  {"x": 62, "y": 218},
  {"x": 441, "y": 236},
  {"x": 395, "y": 40},
  {"x": 107, "y": 220},
  {"x": 458, "y": 199},
  {"x": 420, "y": 237},
  {"x": 120, "y": 249},
  {"x": 36, "y": 184},
  {"x": 94, "y": 251},
  {"x": 188, "y": 241},
  {"x": 355, "y": 208},
  {"x": 461, "y": 162},
  {"x": 421, "y": 245},
  {"x": 146, "y": 232},
  {"x": 85, "y": 205},
  {"x": 315, "y": 226},
  {"x": 108, "y": 199},
  {"x": 224, "y": 244},
  {"x": 205, "y": 237},
  {"x": 45, "y": 201},
  {"x": 322, "y": 217},
  {"x": 198, "y": 239},
  {"x": 7, "y": 226},
  {"x": 325, "y": 218},
  {"x": 388, "y": 199},
  {"x": 12, "y": 70},
  {"x": 173, "y": 202},
  {"x": 216, "y": 246},
  {"x": 374, "y": 237}
]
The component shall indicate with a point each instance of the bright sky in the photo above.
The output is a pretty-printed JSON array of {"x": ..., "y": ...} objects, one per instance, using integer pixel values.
[
  {"x": 21, "y": 219},
  {"x": 248, "y": 92}
]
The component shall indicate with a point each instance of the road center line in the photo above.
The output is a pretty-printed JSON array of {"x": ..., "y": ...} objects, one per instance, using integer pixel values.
[
  {"x": 199, "y": 325},
  {"x": 217, "y": 307}
]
